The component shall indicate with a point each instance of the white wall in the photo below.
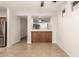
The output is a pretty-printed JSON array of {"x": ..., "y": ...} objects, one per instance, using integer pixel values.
[
  {"x": 53, "y": 25},
  {"x": 23, "y": 27},
  {"x": 13, "y": 27},
  {"x": 29, "y": 24},
  {"x": 3, "y": 12},
  {"x": 68, "y": 31}
]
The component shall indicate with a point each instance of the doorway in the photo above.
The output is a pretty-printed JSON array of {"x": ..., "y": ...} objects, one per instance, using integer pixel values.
[{"x": 23, "y": 28}]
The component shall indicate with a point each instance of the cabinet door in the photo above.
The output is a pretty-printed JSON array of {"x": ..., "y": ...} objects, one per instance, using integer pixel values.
[
  {"x": 41, "y": 36},
  {"x": 48, "y": 36},
  {"x": 36, "y": 36}
]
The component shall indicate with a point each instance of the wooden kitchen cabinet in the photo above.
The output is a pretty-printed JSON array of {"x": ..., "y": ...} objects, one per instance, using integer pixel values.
[{"x": 41, "y": 36}]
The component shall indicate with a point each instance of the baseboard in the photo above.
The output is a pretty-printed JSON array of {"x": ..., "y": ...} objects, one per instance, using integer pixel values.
[
  {"x": 29, "y": 42},
  {"x": 24, "y": 37},
  {"x": 8, "y": 45},
  {"x": 64, "y": 50},
  {"x": 54, "y": 42}
]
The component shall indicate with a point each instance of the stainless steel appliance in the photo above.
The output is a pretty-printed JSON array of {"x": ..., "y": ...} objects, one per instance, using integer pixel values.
[{"x": 3, "y": 32}]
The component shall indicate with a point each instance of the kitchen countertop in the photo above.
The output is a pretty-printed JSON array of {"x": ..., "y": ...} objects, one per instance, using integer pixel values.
[{"x": 41, "y": 30}]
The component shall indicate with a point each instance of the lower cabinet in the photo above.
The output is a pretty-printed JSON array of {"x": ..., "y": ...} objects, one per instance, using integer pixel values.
[{"x": 41, "y": 36}]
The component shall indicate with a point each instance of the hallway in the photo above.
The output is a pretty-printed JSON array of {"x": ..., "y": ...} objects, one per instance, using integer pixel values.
[{"x": 22, "y": 49}]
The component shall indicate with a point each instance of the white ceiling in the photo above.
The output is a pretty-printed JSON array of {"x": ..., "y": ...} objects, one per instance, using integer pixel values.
[{"x": 33, "y": 6}]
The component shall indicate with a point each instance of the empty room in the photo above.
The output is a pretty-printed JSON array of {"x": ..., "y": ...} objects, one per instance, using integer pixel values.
[{"x": 39, "y": 28}]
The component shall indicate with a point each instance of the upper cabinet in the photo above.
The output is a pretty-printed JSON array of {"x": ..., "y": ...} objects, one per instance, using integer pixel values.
[{"x": 41, "y": 22}]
